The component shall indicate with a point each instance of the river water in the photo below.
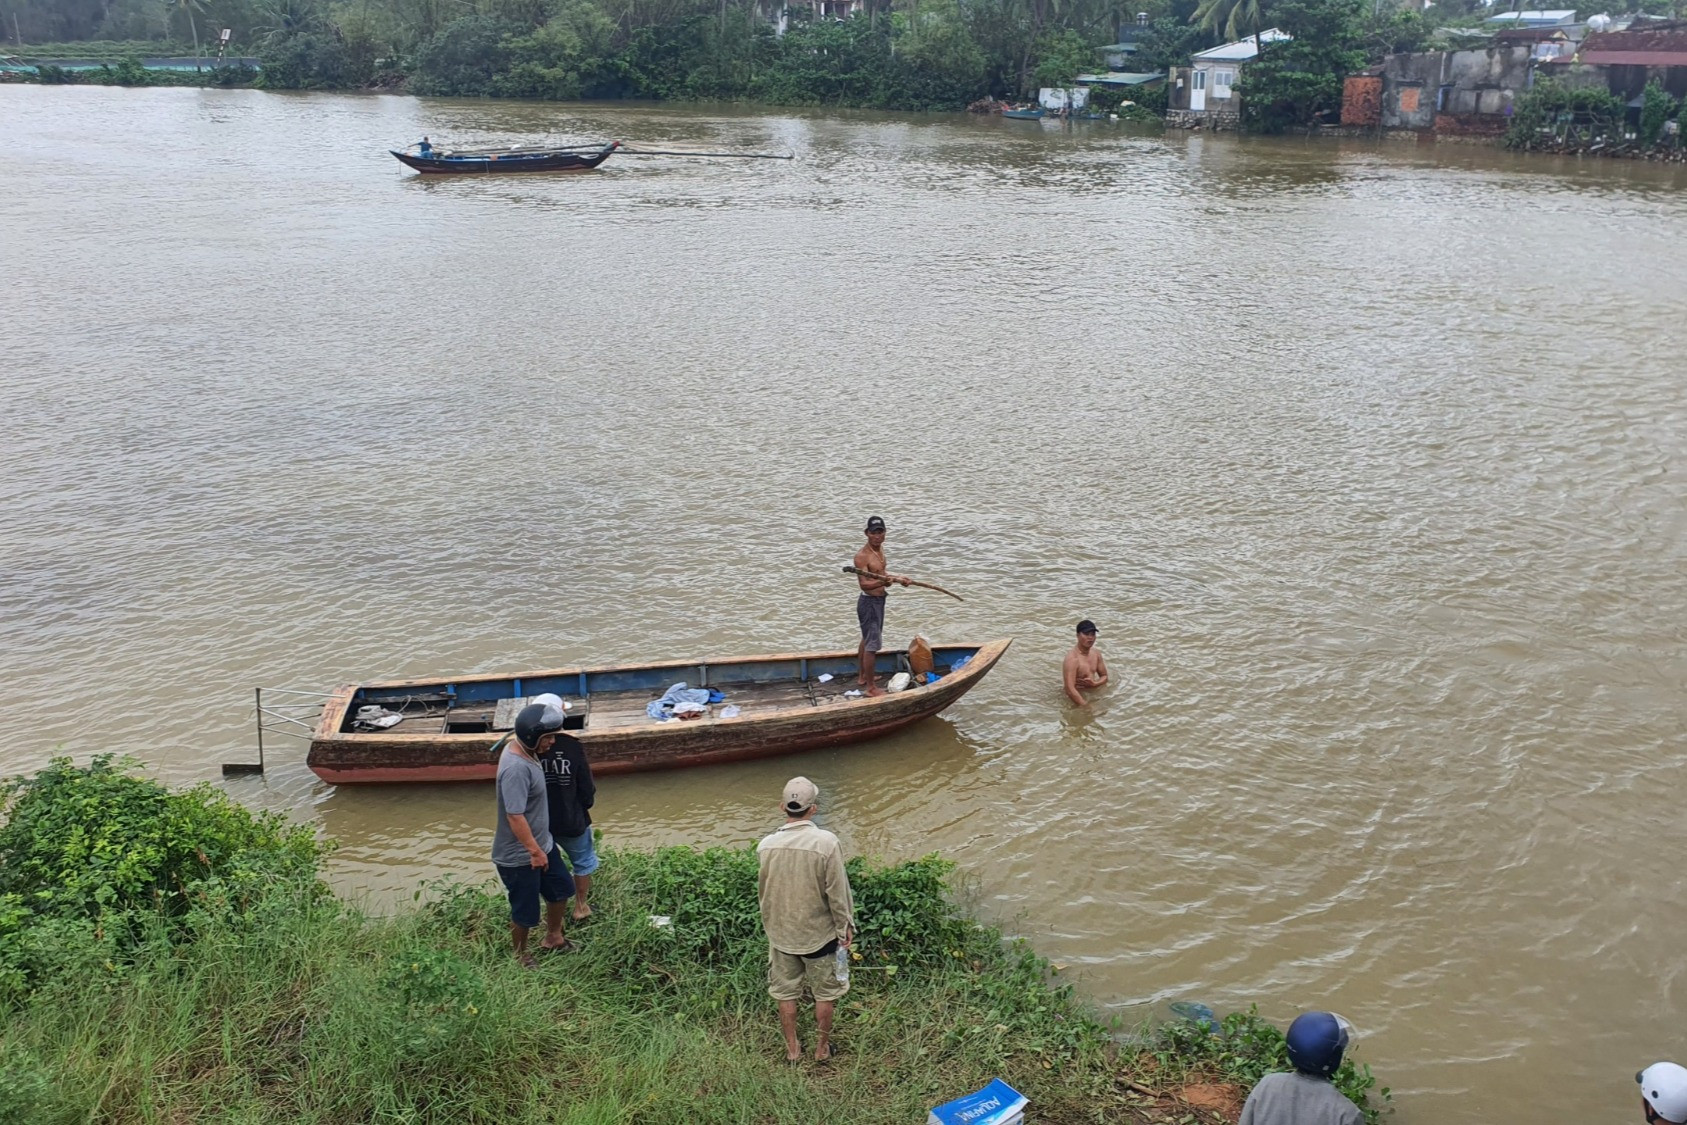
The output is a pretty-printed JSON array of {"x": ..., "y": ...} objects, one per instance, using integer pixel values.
[{"x": 1365, "y": 458}]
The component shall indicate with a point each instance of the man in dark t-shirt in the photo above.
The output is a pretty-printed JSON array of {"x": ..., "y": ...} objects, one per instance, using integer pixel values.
[{"x": 570, "y": 793}]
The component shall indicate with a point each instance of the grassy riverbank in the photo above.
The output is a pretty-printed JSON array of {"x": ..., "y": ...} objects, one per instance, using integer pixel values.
[{"x": 173, "y": 958}]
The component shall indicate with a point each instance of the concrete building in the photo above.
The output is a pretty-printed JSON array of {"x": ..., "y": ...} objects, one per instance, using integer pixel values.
[
  {"x": 1469, "y": 92},
  {"x": 1203, "y": 93}
]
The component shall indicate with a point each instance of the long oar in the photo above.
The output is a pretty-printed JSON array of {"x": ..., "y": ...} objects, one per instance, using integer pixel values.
[
  {"x": 911, "y": 582},
  {"x": 624, "y": 151}
]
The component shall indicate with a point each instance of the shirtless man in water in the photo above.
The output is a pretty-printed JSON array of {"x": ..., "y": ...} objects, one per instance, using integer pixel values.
[
  {"x": 870, "y": 605},
  {"x": 1084, "y": 668}
]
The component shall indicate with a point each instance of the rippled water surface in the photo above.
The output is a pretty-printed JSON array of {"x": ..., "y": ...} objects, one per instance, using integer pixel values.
[{"x": 1366, "y": 460}]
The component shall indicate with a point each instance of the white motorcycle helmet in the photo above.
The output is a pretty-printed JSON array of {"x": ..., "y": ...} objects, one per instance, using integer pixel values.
[{"x": 1664, "y": 1086}]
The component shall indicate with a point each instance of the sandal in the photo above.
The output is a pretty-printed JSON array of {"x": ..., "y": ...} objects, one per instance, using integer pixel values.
[
  {"x": 527, "y": 961},
  {"x": 566, "y": 947}
]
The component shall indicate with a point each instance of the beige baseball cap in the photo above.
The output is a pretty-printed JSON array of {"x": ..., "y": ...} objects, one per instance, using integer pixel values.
[{"x": 800, "y": 795}]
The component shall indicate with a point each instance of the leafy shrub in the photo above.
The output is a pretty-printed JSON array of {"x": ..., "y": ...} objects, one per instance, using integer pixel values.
[
  {"x": 464, "y": 58},
  {"x": 436, "y": 998},
  {"x": 26, "y": 1092},
  {"x": 237, "y": 75},
  {"x": 1656, "y": 107},
  {"x": 128, "y": 72},
  {"x": 830, "y": 62},
  {"x": 1299, "y": 82},
  {"x": 1061, "y": 57},
  {"x": 1146, "y": 103},
  {"x": 314, "y": 61},
  {"x": 567, "y": 58},
  {"x": 1551, "y": 106},
  {"x": 97, "y": 841},
  {"x": 941, "y": 67}
]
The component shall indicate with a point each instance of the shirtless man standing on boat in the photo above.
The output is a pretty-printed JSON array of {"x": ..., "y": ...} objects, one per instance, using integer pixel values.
[
  {"x": 1084, "y": 668},
  {"x": 870, "y": 605}
]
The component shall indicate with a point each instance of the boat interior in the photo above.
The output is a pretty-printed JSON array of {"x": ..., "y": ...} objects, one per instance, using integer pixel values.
[{"x": 620, "y": 697}]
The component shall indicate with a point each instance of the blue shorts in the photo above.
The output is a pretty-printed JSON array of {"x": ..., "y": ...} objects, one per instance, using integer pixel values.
[
  {"x": 582, "y": 857},
  {"x": 527, "y": 885}
]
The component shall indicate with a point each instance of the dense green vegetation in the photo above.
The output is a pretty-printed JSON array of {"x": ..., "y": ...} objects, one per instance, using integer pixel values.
[
  {"x": 1299, "y": 82},
  {"x": 172, "y": 957},
  {"x": 893, "y": 54},
  {"x": 1555, "y": 116}
]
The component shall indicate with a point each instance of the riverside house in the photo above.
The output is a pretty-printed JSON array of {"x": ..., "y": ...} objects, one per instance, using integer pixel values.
[{"x": 1203, "y": 94}]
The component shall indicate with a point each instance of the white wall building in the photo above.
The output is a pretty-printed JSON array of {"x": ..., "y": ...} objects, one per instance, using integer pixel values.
[{"x": 1213, "y": 73}]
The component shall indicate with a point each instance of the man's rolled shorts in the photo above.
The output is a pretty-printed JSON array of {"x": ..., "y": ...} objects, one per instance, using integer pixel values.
[
  {"x": 787, "y": 973},
  {"x": 870, "y": 612},
  {"x": 527, "y": 885}
]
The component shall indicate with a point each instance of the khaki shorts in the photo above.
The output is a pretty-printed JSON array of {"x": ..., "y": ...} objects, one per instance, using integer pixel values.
[{"x": 787, "y": 973}]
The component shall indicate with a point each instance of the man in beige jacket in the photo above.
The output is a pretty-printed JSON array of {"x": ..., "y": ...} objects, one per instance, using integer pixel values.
[{"x": 808, "y": 914}]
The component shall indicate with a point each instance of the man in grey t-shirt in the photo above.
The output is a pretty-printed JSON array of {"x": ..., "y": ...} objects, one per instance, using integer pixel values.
[
  {"x": 1316, "y": 1043},
  {"x": 528, "y": 862}
]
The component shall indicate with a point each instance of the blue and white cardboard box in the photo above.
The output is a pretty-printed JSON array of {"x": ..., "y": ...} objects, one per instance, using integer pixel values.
[{"x": 996, "y": 1104}]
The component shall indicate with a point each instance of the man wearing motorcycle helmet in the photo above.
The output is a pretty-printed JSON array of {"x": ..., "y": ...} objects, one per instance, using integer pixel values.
[
  {"x": 527, "y": 859},
  {"x": 1663, "y": 1093},
  {"x": 1316, "y": 1042}
]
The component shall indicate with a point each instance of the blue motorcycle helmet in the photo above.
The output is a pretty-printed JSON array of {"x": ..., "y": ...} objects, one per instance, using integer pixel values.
[{"x": 1317, "y": 1041}]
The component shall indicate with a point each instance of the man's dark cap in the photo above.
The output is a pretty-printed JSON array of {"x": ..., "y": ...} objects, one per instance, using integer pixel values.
[
  {"x": 875, "y": 523},
  {"x": 1087, "y": 626}
]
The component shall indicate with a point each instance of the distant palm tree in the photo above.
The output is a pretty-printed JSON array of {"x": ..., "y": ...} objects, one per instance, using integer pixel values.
[
  {"x": 190, "y": 7},
  {"x": 284, "y": 19},
  {"x": 1232, "y": 18}
]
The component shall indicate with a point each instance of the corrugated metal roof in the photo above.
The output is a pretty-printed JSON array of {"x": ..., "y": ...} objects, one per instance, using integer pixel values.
[
  {"x": 1122, "y": 78},
  {"x": 1243, "y": 49},
  {"x": 1557, "y": 15},
  {"x": 1634, "y": 58},
  {"x": 1638, "y": 39}
]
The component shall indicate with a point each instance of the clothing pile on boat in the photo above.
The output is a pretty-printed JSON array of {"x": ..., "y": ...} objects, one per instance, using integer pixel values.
[
  {"x": 681, "y": 702},
  {"x": 375, "y": 717}
]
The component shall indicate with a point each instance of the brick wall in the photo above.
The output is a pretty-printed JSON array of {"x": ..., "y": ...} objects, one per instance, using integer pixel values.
[{"x": 1361, "y": 100}]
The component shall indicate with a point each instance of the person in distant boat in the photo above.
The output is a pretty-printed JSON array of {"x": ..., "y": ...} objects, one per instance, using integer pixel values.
[
  {"x": 529, "y": 864},
  {"x": 571, "y": 792},
  {"x": 425, "y": 148},
  {"x": 1316, "y": 1042},
  {"x": 808, "y": 914},
  {"x": 1663, "y": 1093},
  {"x": 870, "y": 603},
  {"x": 1084, "y": 669}
]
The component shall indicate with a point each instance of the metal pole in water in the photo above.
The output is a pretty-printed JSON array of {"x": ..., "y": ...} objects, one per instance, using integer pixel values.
[{"x": 231, "y": 769}]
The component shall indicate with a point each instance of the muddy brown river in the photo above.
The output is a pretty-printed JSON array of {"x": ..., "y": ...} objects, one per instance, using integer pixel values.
[{"x": 1365, "y": 458}]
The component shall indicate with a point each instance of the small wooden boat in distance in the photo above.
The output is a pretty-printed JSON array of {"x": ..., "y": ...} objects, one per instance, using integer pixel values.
[
  {"x": 449, "y": 162},
  {"x": 784, "y": 704},
  {"x": 1024, "y": 114}
]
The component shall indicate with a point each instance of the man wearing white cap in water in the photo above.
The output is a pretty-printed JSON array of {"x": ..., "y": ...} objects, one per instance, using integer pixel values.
[{"x": 1663, "y": 1093}]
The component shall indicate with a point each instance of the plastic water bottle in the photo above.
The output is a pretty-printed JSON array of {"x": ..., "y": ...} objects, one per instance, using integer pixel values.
[{"x": 843, "y": 965}]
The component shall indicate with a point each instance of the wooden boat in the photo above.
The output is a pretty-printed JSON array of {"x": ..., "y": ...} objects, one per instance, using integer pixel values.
[
  {"x": 449, "y": 728},
  {"x": 455, "y": 163},
  {"x": 1024, "y": 114}
]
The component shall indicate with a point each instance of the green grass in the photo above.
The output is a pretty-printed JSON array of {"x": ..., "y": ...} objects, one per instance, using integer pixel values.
[
  {"x": 212, "y": 980},
  {"x": 108, "y": 50}
]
